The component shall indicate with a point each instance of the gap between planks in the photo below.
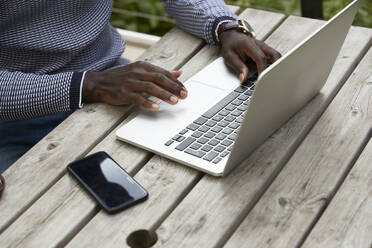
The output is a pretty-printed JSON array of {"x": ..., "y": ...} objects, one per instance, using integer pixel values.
[
  {"x": 332, "y": 194},
  {"x": 347, "y": 220}
]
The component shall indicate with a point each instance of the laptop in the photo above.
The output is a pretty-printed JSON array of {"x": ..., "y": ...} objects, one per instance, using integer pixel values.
[{"x": 222, "y": 121}]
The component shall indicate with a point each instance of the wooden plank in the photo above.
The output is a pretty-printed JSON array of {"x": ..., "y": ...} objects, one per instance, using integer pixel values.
[
  {"x": 347, "y": 221},
  {"x": 298, "y": 196},
  {"x": 167, "y": 185},
  {"x": 171, "y": 52},
  {"x": 44, "y": 164},
  {"x": 215, "y": 207}
]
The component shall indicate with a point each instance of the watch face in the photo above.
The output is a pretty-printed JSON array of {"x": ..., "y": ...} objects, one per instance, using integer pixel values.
[{"x": 248, "y": 28}]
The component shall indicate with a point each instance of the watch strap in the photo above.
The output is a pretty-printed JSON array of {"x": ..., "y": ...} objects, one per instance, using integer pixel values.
[{"x": 233, "y": 25}]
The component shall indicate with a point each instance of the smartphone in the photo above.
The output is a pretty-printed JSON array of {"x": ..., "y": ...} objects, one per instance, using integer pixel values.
[{"x": 110, "y": 185}]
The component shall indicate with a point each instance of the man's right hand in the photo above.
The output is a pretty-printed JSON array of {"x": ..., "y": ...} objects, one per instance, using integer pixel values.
[{"x": 126, "y": 84}]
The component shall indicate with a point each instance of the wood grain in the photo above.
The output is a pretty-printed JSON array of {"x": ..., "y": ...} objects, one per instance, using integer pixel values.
[
  {"x": 347, "y": 221},
  {"x": 291, "y": 205},
  {"x": 225, "y": 202}
]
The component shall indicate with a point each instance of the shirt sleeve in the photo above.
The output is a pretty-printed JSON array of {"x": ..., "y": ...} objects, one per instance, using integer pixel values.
[
  {"x": 27, "y": 95},
  {"x": 199, "y": 17}
]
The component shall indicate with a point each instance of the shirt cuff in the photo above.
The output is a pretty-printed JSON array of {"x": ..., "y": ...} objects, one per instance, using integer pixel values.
[
  {"x": 217, "y": 23},
  {"x": 76, "y": 87}
]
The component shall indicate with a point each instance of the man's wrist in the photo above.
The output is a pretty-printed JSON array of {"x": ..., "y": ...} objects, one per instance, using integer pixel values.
[
  {"x": 219, "y": 28},
  {"x": 217, "y": 23}
]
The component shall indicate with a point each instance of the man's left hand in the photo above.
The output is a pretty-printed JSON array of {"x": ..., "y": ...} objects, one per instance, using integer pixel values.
[{"x": 237, "y": 48}]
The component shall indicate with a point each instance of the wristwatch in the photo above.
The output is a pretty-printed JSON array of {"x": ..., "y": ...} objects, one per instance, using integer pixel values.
[{"x": 240, "y": 25}]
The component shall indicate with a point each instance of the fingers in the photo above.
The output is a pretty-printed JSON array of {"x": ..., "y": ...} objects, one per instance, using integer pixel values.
[
  {"x": 270, "y": 53},
  {"x": 176, "y": 74},
  {"x": 234, "y": 62},
  {"x": 257, "y": 55},
  {"x": 154, "y": 90},
  {"x": 142, "y": 101},
  {"x": 167, "y": 80}
]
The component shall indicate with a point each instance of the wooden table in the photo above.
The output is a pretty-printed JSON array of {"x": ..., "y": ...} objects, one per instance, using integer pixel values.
[{"x": 309, "y": 184}]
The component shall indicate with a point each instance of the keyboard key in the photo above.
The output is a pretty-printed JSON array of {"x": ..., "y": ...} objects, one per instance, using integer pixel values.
[
  {"x": 229, "y": 148},
  {"x": 240, "y": 89},
  {"x": 247, "y": 102},
  {"x": 217, "y": 117},
  {"x": 211, "y": 123},
  {"x": 227, "y": 131},
  {"x": 192, "y": 127},
  {"x": 243, "y": 97},
  {"x": 224, "y": 112},
  {"x": 221, "y": 104},
  {"x": 252, "y": 87},
  {"x": 195, "y": 146},
  {"x": 243, "y": 107},
  {"x": 234, "y": 125},
  {"x": 232, "y": 136},
  {"x": 219, "y": 148},
  {"x": 185, "y": 144},
  {"x": 217, "y": 129},
  {"x": 236, "y": 113},
  {"x": 237, "y": 102},
  {"x": 206, "y": 148},
  {"x": 217, "y": 160},
  {"x": 230, "y": 107},
  {"x": 169, "y": 142},
  {"x": 203, "y": 129},
  {"x": 178, "y": 138},
  {"x": 230, "y": 118},
  {"x": 209, "y": 135},
  {"x": 200, "y": 121},
  {"x": 213, "y": 142},
  {"x": 220, "y": 136},
  {"x": 210, "y": 156},
  {"x": 197, "y": 134},
  {"x": 198, "y": 154},
  {"x": 202, "y": 140},
  {"x": 183, "y": 131},
  {"x": 223, "y": 123},
  {"x": 249, "y": 82},
  {"x": 239, "y": 120},
  {"x": 226, "y": 142},
  {"x": 224, "y": 154}
]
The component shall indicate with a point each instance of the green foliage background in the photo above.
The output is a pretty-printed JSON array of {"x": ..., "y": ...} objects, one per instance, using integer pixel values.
[{"x": 160, "y": 27}]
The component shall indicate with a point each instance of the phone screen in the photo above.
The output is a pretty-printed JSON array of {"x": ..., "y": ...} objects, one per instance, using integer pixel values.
[{"x": 108, "y": 183}]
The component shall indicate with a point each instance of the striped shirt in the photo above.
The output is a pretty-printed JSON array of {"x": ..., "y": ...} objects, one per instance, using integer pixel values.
[{"x": 46, "y": 46}]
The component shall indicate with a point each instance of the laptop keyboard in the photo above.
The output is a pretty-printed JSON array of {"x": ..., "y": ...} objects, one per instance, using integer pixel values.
[{"x": 212, "y": 135}]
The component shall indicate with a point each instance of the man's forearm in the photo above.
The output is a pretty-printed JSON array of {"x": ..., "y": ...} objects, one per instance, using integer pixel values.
[{"x": 200, "y": 18}]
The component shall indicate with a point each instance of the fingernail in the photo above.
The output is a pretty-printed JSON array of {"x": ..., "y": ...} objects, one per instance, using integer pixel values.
[
  {"x": 173, "y": 99},
  {"x": 241, "y": 77},
  {"x": 183, "y": 94},
  {"x": 155, "y": 106}
]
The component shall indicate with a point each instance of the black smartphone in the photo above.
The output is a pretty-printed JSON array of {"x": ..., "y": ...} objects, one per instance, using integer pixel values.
[{"x": 110, "y": 185}]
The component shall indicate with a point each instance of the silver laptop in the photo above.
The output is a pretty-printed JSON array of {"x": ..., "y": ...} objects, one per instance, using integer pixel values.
[{"x": 222, "y": 121}]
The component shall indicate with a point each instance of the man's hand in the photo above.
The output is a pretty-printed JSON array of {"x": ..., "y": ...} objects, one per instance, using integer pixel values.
[
  {"x": 237, "y": 48},
  {"x": 126, "y": 84}
]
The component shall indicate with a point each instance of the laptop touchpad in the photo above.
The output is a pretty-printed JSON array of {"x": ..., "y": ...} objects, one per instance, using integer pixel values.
[{"x": 173, "y": 118}]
